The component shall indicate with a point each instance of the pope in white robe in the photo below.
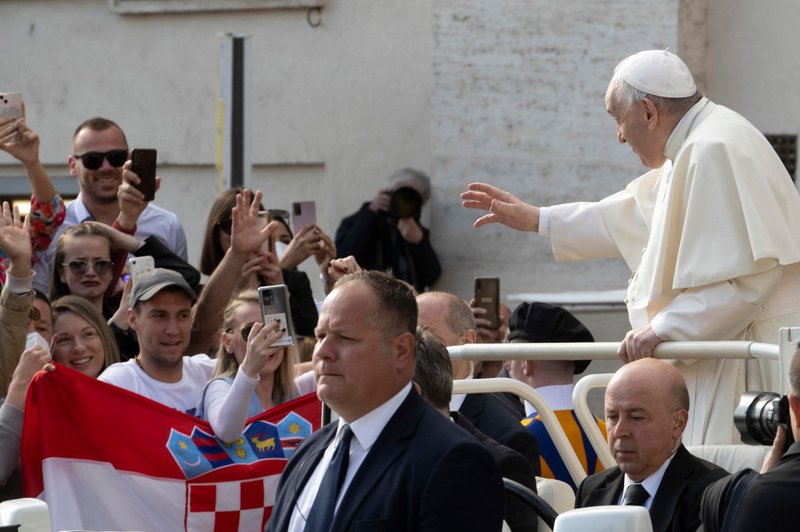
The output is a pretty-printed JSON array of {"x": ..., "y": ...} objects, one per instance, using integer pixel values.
[{"x": 711, "y": 234}]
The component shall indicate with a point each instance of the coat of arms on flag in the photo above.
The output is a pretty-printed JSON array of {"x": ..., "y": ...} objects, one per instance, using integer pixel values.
[{"x": 121, "y": 461}]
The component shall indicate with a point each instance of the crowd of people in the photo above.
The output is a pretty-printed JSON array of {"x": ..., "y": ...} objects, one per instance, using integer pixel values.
[{"x": 406, "y": 453}]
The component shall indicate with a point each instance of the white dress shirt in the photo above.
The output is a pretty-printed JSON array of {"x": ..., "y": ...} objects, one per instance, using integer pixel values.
[{"x": 366, "y": 430}]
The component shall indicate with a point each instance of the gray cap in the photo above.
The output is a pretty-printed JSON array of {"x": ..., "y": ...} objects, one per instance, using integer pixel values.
[{"x": 148, "y": 284}]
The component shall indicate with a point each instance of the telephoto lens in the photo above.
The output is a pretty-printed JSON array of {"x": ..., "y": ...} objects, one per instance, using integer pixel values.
[
  {"x": 758, "y": 415},
  {"x": 405, "y": 202}
]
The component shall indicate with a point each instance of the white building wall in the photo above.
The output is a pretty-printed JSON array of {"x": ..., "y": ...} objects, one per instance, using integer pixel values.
[{"x": 506, "y": 91}]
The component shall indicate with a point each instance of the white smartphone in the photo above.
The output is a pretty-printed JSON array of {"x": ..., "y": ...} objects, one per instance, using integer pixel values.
[
  {"x": 275, "y": 307},
  {"x": 139, "y": 265},
  {"x": 303, "y": 214},
  {"x": 34, "y": 338},
  {"x": 10, "y": 105}
]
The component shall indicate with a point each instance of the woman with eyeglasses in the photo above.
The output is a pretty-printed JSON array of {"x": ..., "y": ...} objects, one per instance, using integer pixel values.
[
  {"x": 262, "y": 268},
  {"x": 87, "y": 262},
  {"x": 250, "y": 376},
  {"x": 82, "y": 340}
]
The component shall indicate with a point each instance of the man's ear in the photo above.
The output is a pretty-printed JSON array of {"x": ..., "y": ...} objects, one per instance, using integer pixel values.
[
  {"x": 133, "y": 320},
  {"x": 403, "y": 345},
  {"x": 71, "y": 162},
  {"x": 651, "y": 113},
  {"x": 794, "y": 409},
  {"x": 681, "y": 417},
  {"x": 470, "y": 337}
]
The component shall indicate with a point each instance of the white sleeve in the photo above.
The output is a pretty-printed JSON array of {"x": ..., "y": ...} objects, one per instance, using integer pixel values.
[
  {"x": 717, "y": 311},
  {"x": 305, "y": 383},
  {"x": 226, "y": 405},
  {"x": 578, "y": 232}
]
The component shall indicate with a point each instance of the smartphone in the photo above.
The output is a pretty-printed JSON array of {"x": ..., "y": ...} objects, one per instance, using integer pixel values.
[
  {"x": 139, "y": 265},
  {"x": 487, "y": 296},
  {"x": 10, "y": 105},
  {"x": 274, "y": 302},
  {"x": 303, "y": 213},
  {"x": 143, "y": 164}
]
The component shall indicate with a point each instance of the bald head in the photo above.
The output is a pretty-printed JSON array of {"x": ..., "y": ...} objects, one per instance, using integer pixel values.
[
  {"x": 448, "y": 316},
  {"x": 451, "y": 319},
  {"x": 646, "y": 407}
]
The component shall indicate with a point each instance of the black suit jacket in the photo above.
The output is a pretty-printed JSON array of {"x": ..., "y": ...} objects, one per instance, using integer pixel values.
[
  {"x": 495, "y": 416},
  {"x": 518, "y": 515},
  {"x": 423, "y": 474},
  {"x": 749, "y": 501},
  {"x": 676, "y": 506}
]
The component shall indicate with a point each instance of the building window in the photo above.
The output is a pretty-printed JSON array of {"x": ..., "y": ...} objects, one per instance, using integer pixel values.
[{"x": 786, "y": 148}]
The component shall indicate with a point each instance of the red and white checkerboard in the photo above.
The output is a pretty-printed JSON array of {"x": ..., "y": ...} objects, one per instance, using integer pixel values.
[{"x": 242, "y": 506}]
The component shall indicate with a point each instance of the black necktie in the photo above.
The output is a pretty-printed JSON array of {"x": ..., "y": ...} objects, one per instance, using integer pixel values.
[
  {"x": 321, "y": 515},
  {"x": 636, "y": 495}
]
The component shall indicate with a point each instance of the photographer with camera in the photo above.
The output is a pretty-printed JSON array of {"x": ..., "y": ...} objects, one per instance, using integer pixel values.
[
  {"x": 385, "y": 233},
  {"x": 749, "y": 500}
]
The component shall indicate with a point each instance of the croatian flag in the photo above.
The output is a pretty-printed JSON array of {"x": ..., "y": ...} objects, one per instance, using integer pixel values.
[{"x": 105, "y": 458}]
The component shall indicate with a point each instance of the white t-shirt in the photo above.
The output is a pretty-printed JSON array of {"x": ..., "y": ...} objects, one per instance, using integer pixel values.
[{"x": 182, "y": 395}]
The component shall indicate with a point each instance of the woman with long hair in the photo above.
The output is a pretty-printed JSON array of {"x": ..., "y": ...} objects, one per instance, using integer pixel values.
[
  {"x": 250, "y": 376},
  {"x": 82, "y": 340}
]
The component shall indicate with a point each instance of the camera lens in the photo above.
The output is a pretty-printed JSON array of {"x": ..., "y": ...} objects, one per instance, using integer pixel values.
[
  {"x": 405, "y": 202},
  {"x": 758, "y": 415}
]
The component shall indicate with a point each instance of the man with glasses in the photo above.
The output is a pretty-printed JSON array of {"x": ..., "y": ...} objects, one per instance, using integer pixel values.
[{"x": 99, "y": 153}]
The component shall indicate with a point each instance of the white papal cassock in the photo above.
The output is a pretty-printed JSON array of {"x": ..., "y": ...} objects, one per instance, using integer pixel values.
[{"x": 713, "y": 241}]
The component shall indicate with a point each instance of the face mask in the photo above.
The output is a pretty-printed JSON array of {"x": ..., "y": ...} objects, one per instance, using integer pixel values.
[{"x": 280, "y": 249}]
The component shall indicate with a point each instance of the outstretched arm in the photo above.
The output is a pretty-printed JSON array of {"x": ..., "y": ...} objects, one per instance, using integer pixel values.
[{"x": 502, "y": 207}]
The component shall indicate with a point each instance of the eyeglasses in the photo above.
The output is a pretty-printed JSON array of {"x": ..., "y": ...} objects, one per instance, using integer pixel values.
[
  {"x": 80, "y": 267},
  {"x": 92, "y": 160},
  {"x": 225, "y": 226},
  {"x": 278, "y": 213},
  {"x": 245, "y": 330}
]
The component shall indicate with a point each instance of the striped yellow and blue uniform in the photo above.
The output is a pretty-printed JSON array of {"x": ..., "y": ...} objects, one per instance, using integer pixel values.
[{"x": 552, "y": 464}]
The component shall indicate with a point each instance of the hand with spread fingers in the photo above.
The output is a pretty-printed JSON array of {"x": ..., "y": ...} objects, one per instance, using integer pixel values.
[{"x": 502, "y": 207}]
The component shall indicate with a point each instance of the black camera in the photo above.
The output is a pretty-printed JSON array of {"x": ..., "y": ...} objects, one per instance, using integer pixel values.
[
  {"x": 405, "y": 202},
  {"x": 758, "y": 415}
]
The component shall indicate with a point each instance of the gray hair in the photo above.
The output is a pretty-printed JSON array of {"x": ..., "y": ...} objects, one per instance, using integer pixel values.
[
  {"x": 627, "y": 95},
  {"x": 420, "y": 179}
]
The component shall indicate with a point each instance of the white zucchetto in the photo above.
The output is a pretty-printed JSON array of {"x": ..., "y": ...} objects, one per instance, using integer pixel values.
[{"x": 657, "y": 72}]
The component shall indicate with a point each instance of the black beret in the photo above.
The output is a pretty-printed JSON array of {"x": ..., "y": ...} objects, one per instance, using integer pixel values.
[{"x": 541, "y": 322}]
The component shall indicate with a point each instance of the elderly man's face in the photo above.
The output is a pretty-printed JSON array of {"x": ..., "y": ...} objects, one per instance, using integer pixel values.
[
  {"x": 634, "y": 127},
  {"x": 643, "y": 424},
  {"x": 356, "y": 365}
]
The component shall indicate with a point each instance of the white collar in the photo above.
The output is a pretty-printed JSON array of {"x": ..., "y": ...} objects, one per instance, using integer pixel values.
[
  {"x": 683, "y": 128},
  {"x": 456, "y": 400},
  {"x": 368, "y": 427},
  {"x": 558, "y": 396},
  {"x": 651, "y": 483}
]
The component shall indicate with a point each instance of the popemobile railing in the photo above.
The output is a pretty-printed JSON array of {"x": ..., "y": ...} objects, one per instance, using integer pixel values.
[{"x": 782, "y": 353}]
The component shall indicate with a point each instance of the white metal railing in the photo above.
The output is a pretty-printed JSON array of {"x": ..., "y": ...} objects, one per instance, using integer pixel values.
[
  {"x": 549, "y": 419},
  {"x": 788, "y": 341}
]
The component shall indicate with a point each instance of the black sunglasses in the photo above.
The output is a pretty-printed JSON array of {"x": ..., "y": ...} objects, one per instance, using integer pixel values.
[
  {"x": 80, "y": 267},
  {"x": 92, "y": 160},
  {"x": 225, "y": 226},
  {"x": 245, "y": 330}
]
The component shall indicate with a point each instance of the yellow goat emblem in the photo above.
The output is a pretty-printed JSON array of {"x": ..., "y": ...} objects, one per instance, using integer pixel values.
[{"x": 264, "y": 445}]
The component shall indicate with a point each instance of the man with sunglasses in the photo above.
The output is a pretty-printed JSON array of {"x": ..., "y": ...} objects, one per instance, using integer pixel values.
[{"x": 99, "y": 154}]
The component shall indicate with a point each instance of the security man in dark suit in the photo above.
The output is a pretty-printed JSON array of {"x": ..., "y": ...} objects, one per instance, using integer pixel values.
[
  {"x": 646, "y": 408},
  {"x": 433, "y": 378},
  {"x": 768, "y": 501},
  {"x": 391, "y": 462}
]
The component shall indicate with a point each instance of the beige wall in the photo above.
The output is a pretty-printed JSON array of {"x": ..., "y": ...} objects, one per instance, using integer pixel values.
[{"x": 508, "y": 91}]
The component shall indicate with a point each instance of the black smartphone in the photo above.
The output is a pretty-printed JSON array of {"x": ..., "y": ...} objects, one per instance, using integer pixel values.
[
  {"x": 143, "y": 164},
  {"x": 275, "y": 307},
  {"x": 487, "y": 296}
]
